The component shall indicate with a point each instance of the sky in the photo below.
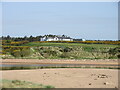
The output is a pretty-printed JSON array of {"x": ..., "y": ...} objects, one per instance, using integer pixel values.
[{"x": 89, "y": 20}]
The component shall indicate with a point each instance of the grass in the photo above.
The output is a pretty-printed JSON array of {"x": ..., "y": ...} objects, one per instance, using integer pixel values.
[
  {"x": 52, "y": 50},
  {"x": 67, "y": 44},
  {"x": 22, "y": 84}
]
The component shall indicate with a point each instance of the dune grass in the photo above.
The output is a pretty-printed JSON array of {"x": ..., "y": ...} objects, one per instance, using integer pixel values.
[{"x": 22, "y": 84}]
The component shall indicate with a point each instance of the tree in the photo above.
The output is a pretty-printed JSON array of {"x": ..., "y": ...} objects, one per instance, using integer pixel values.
[
  {"x": 30, "y": 38},
  {"x": 25, "y": 38},
  {"x": 8, "y": 37}
]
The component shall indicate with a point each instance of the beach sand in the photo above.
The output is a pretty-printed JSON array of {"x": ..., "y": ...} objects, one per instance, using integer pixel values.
[{"x": 66, "y": 77}]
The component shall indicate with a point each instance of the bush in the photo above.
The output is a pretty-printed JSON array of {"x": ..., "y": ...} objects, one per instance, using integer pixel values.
[
  {"x": 16, "y": 53},
  {"x": 48, "y": 86},
  {"x": 21, "y": 53},
  {"x": 67, "y": 49},
  {"x": 115, "y": 51},
  {"x": 48, "y": 52},
  {"x": 64, "y": 55},
  {"x": 25, "y": 52}
]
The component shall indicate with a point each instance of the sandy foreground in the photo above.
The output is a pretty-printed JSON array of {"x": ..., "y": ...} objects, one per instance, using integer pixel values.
[{"x": 67, "y": 78}]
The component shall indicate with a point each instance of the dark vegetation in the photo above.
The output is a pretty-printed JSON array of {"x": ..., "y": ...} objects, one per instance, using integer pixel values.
[{"x": 45, "y": 67}]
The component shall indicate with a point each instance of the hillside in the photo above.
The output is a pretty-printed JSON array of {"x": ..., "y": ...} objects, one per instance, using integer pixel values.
[{"x": 55, "y": 50}]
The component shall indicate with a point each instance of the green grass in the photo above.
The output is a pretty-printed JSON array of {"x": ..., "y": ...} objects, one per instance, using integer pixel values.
[
  {"x": 22, "y": 84},
  {"x": 67, "y": 44}
]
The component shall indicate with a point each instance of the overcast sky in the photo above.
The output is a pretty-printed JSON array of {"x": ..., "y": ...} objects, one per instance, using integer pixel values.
[{"x": 89, "y": 20}]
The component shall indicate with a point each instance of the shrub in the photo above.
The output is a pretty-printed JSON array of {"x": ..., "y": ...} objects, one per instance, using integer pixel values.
[
  {"x": 67, "y": 49},
  {"x": 21, "y": 53},
  {"x": 115, "y": 51},
  {"x": 16, "y": 53},
  {"x": 64, "y": 55},
  {"x": 25, "y": 52},
  {"x": 48, "y": 86}
]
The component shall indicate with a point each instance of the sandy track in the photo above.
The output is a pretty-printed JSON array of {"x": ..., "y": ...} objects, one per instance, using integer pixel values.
[{"x": 67, "y": 78}]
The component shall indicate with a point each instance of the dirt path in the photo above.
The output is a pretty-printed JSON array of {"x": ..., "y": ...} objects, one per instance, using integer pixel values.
[{"x": 67, "y": 78}]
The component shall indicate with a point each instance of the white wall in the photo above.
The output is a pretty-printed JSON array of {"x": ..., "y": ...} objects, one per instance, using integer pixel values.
[
  {"x": 55, "y": 39},
  {"x": 50, "y": 39},
  {"x": 67, "y": 40}
]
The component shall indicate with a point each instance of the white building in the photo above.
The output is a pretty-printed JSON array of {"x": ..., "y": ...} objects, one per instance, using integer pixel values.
[{"x": 56, "y": 38}]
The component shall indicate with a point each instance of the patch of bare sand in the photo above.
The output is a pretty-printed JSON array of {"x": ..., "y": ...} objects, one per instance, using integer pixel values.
[{"x": 67, "y": 78}]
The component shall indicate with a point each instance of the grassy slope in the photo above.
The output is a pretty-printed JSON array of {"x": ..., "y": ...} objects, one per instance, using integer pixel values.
[
  {"x": 88, "y": 50},
  {"x": 68, "y": 44},
  {"x": 52, "y": 50}
]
